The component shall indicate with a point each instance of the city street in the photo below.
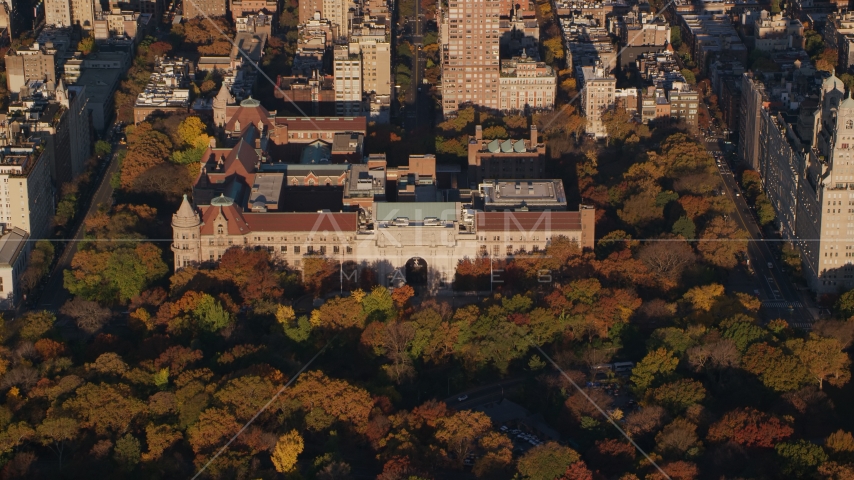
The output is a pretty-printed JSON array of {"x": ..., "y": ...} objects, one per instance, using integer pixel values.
[
  {"x": 54, "y": 294},
  {"x": 484, "y": 394},
  {"x": 418, "y": 111},
  {"x": 780, "y": 299}
]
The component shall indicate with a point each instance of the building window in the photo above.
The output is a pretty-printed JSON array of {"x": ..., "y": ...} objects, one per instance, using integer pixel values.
[
  {"x": 849, "y": 124},
  {"x": 336, "y": 249},
  {"x": 296, "y": 249},
  {"x": 284, "y": 249},
  {"x": 349, "y": 250}
]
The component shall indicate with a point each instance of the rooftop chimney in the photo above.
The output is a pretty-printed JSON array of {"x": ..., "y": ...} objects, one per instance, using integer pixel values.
[
  {"x": 533, "y": 136},
  {"x": 478, "y": 133}
]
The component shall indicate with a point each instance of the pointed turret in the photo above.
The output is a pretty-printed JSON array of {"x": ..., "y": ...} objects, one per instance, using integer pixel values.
[
  {"x": 848, "y": 103},
  {"x": 186, "y": 231},
  {"x": 187, "y": 217},
  {"x": 62, "y": 93}
]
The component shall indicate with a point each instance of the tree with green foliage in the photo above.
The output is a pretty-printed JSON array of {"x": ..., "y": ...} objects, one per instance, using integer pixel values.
[
  {"x": 210, "y": 314},
  {"x": 103, "y": 148},
  {"x": 845, "y": 304},
  {"x": 800, "y": 458},
  {"x": 685, "y": 228},
  {"x": 778, "y": 370},
  {"x": 35, "y": 325},
  {"x": 87, "y": 45},
  {"x": 689, "y": 76},
  {"x": 547, "y": 461},
  {"x": 677, "y": 396},
  {"x": 657, "y": 367},
  {"x": 116, "y": 275},
  {"x": 824, "y": 359},
  {"x": 765, "y": 210},
  {"x": 676, "y": 36},
  {"x": 379, "y": 305},
  {"x": 127, "y": 452},
  {"x": 814, "y": 43}
]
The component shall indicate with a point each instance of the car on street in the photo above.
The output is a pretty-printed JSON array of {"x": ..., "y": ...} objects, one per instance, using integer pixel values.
[
  {"x": 462, "y": 398},
  {"x": 770, "y": 265}
]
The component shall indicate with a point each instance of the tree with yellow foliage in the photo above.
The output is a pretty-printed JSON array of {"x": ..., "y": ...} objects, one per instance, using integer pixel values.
[
  {"x": 285, "y": 314},
  {"x": 286, "y": 451}
]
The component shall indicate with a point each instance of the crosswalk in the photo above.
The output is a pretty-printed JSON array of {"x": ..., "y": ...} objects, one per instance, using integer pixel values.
[
  {"x": 712, "y": 140},
  {"x": 801, "y": 325},
  {"x": 779, "y": 304}
]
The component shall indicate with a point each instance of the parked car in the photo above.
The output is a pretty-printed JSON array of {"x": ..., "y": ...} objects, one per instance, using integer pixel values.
[{"x": 462, "y": 398}]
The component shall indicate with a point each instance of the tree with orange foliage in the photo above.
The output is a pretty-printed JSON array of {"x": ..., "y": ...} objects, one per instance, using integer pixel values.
[
  {"x": 472, "y": 274},
  {"x": 458, "y": 433},
  {"x": 694, "y": 205},
  {"x": 577, "y": 471},
  {"x": 750, "y": 428},
  {"x": 498, "y": 454},
  {"x": 401, "y": 295},
  {"x": 251, "y": 271},
  {"x": 49, "y": 349},
  {"x": 720, "y": 241},
  {"x": 398, "y": 468},
  {"x": 678, "y": 470},
  {"x": 326, "y": 401},
  {"x": 147, "y": 148},
  {"x": 611, "y": 456}
]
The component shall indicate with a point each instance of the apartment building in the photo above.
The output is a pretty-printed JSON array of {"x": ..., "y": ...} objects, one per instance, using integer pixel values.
[
  {"x": 242, "y": 8},
  {"x": 65, "y": 13},
  {"x": 807, "y": 180},
  {"x": 58, "y": 116},
  {"x": 43, "y": 60},
  {"x": 337, "y": 12},
  {"x": 26, "y": 190},
  {"x": 22, "y": 68},
  {"x": 348, "y": 82},
  {"x": 712, "y": 36},
  {"x": 839, "y": 34},
  {"x": 471, "y": 57},
  {"x": 767, "y": 32},
  {"x": 684, "y": 103},
  {"x": 99, "y": 73},
  {"x": 370, "y": 43},
  {"x": 597, "y": 98},
  {"x": 14, "y": 252},
  {"x": 201, "y": 8},
  {"x": 823, "y": 224},
  {"x": 166, "y": 90},
  {"x": 120, "y": 24},
  {"x": 309, "y": 10},
  {"x": 526, "y": 84},
  {"x": 255, "y": 23}
]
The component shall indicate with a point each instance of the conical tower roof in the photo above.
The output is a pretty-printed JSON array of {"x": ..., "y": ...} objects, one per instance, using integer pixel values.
[
  {"x": 187, "y": 216},
  {"x": 223, "y": 97}
]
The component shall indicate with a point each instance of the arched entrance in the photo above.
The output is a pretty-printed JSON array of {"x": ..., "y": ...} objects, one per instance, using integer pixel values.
[{"x": 416, "y": 274}]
